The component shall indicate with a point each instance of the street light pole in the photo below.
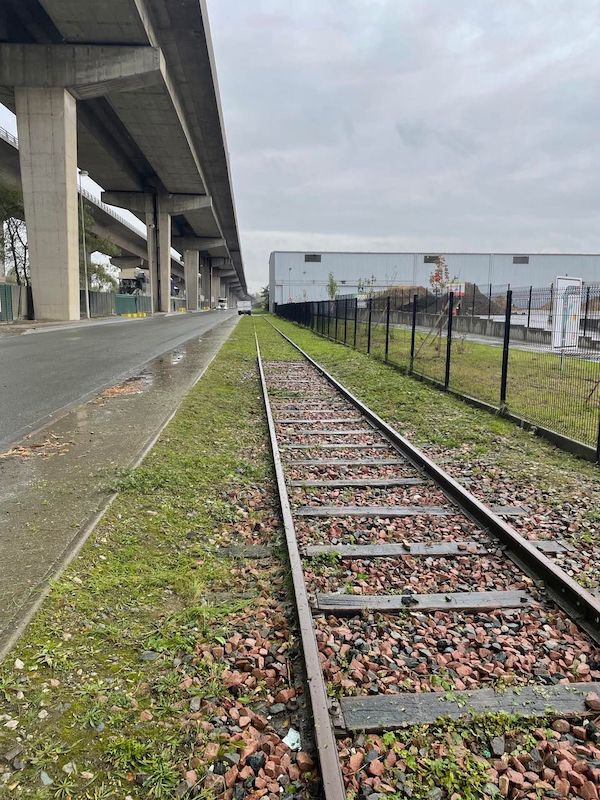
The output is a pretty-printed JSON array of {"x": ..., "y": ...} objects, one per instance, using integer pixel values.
[{"x": 84, "y": 174}]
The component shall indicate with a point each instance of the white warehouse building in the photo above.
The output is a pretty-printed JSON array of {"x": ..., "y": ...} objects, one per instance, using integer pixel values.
[{"x": 298, "y": 276}]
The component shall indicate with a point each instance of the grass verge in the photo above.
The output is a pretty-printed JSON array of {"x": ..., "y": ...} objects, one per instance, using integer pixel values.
[{"x": 560, "y": 393}]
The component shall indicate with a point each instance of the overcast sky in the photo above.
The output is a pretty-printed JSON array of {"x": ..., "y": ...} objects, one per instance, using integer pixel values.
[{"x": 411, "y": 124}]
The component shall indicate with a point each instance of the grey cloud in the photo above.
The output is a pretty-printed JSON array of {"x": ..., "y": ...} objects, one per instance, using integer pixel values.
[
  {"x": 412, "y": 134},
  {"x": 421, "y": 134},
  {"x": 421, "y": 124}
]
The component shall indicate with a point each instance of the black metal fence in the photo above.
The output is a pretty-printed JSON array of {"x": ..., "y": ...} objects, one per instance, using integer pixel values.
[{"x": 531, "y": 354}]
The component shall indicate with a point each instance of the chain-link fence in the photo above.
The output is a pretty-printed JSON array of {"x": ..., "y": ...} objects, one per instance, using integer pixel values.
[{"x": 532, "y": 354}]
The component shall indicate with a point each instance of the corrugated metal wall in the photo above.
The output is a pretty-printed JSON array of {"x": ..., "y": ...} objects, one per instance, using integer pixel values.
[{"x": 293, "y": 278}]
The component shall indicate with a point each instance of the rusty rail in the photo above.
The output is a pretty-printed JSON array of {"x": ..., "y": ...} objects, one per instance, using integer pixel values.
[{"x": 331, "y": 773}]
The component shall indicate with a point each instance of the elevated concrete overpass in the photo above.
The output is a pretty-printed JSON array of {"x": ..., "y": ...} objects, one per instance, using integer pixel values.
[
  {"x": 127, "y": 89},
  {"x": 109, "y": 223}
]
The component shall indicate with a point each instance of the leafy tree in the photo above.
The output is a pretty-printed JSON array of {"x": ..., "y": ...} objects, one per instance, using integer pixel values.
[
  {"x": 332, "y": 287},
  {"x": 99, "y": 276},
  {"x": 440, "y": 276},
  {"x": 264, "y": 294}
]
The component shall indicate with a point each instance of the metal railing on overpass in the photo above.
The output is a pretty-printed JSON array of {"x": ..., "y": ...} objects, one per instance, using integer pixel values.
[{"x": 14, "y": 141}]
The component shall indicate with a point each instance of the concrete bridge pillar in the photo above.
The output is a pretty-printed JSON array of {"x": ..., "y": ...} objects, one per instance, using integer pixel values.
[
  {"x": 206, "y": 281},
  {"x": 48, "y": 80},
  {"x": 158, "y": 209},
  {"x": 158, "y": 227},
  {"x": 163, "y": 295},
  {"x": 225, "y": 290},
  {"x": 47, "y": 126},
  {"x": 191, "y": 261},
  {"x": 215, "y": 287}
]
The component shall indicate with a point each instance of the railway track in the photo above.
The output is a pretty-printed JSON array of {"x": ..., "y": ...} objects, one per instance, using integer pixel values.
[{"x": 415, "y": 600}]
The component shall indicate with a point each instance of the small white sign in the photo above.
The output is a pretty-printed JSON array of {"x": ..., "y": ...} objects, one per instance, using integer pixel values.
[{"x": 566, "y": 313}]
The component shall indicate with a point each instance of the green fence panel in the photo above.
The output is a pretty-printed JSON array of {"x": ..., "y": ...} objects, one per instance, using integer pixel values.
[
  {"x": 144, "y": 303},
  {"x": 6, "y": 304},
  {"x": 132, "y": 303},
  {"x": 102, "y": 304}
]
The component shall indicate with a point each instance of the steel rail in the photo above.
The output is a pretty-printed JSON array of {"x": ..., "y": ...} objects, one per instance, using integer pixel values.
[
  {"x": 331, "y": 773},
  {"x": 577, "y": 602}
]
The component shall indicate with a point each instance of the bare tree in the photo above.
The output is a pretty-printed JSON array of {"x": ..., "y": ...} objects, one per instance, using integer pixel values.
[
  {"x": 12, "y": 217},
  {"x": 16, "y": 251}
]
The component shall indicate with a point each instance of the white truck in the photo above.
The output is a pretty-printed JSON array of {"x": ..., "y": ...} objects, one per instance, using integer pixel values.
[
  {"x": 222, "y": 304},
  {"x": 244, "y": 307}
]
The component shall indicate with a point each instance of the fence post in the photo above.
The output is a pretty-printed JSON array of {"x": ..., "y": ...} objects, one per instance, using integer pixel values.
[
  {"x": 336, "y": 318},
  {"x": 528, "y": 312},
  {"x": 413, "y": 331},
  {"x": 369, "y": 328},
  {"x": 587, "y": 305},
  {"x": 355, "y": 320},
  {"x": 449, "y": 339},
  {"x": 473, "y": 303},
  {"x": 345, "y": 320},
  {"x": 490, "y": 302},
  {"x": 505, "y": 348},
  {"x": 387, "y": 328}
]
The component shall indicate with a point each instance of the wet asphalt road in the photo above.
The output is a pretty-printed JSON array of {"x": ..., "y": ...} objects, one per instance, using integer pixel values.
[{"x": 44, "y": 372}]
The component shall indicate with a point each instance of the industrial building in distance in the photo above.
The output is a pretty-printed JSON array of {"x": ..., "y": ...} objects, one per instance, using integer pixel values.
[{"x": 298, "y": 276}]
